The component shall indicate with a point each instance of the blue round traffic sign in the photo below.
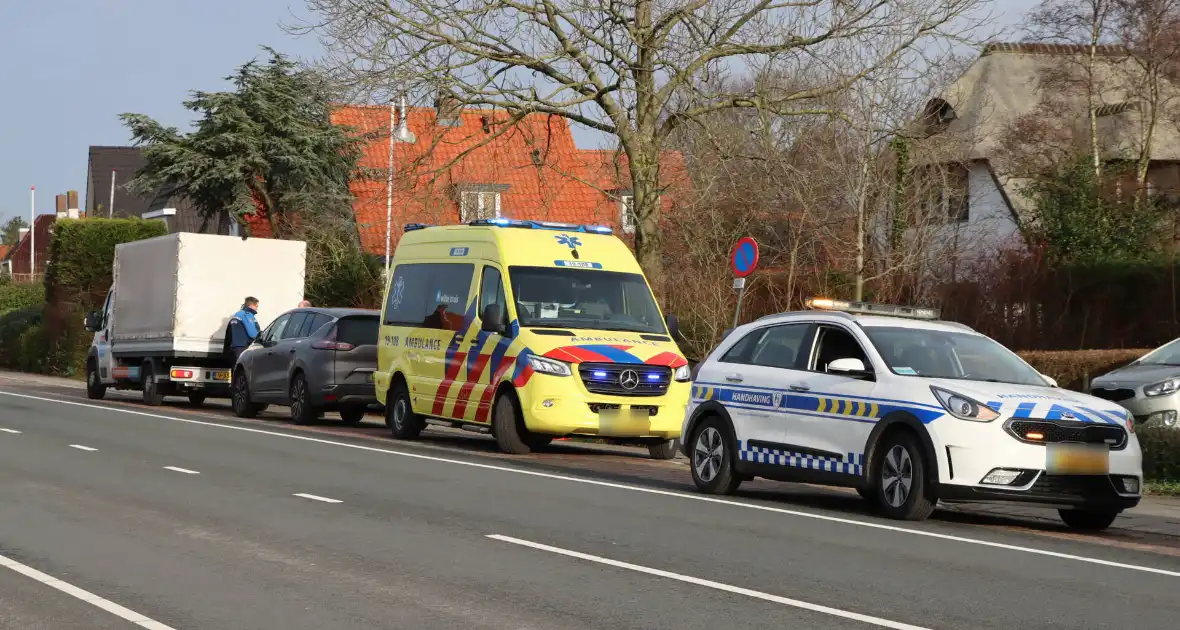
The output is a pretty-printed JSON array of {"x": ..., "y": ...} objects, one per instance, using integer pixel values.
[{"x": 744, "y": 258}]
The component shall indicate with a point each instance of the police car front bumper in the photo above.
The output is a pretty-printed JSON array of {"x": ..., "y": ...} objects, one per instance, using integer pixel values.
[{"x": 977, "y": 450}]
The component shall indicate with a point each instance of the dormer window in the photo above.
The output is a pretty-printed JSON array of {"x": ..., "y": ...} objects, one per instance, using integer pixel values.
[
  {"x": 626, "y": 209},
  {"x": 479, "y": 201}
]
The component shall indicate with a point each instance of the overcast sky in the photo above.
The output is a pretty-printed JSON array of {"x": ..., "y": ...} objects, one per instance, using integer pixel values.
[{"x": 70, "y": 67}]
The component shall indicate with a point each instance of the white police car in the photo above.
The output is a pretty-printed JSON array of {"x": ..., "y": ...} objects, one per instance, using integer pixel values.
[{"x": 907, "y": 409}]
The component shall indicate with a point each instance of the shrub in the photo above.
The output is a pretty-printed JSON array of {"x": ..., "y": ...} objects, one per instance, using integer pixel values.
[
  {"x": 82, "y": 254},
  {"x": 13, "y": 324},
  {"x": 1074, "y": 369},
  {"x": 343, "y": 277},
  {"x": 1161, "y": 453},
  {"x": 15, "y": 296}
]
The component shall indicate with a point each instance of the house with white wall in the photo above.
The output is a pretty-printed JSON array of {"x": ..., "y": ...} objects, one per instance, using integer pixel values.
[{"x": 1015, "y": 104}]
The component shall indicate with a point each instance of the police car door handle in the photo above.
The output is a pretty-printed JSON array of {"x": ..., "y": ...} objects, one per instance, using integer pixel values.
[
  {"x": 801, "y": 387},
  {"x": 734, "y": 378}
]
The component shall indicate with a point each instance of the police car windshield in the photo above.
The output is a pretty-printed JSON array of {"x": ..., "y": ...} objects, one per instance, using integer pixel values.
[
  {"x": 945, "y": 354},
  {"x": 584, "y": 298}
]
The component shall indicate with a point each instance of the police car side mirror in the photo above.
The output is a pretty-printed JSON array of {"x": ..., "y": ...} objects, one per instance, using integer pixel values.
[
  {"x": 854, "y": 368},
  {"x": 1050, "y": 380},
  {"x": 493, "y": 319}
]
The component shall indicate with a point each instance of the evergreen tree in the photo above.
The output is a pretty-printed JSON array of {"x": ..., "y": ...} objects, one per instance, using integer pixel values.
[{"x": 11, "y": 231}]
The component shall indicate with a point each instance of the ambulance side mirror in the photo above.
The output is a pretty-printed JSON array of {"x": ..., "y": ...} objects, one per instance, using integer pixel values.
[
  {"x": 493, "y": 319},
  {"x": 673, "y": 327}
]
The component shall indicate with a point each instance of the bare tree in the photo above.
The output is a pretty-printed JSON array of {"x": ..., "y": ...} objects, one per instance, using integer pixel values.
[{"x": 627, "y": 68}]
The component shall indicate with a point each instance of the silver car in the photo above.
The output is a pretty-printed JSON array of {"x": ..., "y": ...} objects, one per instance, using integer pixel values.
[{"x": 1148, "y": 387}]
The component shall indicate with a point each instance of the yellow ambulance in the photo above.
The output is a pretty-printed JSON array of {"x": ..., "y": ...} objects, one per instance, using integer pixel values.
[{"x": 529, "y": 331}]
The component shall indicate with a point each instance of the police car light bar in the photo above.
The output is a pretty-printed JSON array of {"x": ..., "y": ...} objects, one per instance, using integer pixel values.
[
  {"x": 868, "y": 308},
  {"x": 541, "y": 225}
]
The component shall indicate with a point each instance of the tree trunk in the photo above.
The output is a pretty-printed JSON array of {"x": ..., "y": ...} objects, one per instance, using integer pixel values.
[{"x": 645, "y": 188}]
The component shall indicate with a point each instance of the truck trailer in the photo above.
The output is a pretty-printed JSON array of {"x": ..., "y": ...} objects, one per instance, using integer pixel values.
[{"x": 162, "y": 328}]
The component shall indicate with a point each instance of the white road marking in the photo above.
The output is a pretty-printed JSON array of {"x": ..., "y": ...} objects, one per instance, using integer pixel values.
[
  {"x": 82, "y": 448},
  {"x": 86, "y": 596},
  {"x": 316, "y": 498},
  {"x": 786, "y": 601},
  {"x": 182, "y": 470},
  {"x": 621, "y": 486},
  {"x": 9, "y": 430}
]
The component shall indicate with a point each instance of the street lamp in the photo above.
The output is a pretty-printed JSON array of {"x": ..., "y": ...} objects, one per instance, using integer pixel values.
[{"x": 400, "y": 133}]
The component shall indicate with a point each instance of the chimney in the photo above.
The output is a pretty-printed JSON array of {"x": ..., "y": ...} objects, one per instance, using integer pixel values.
[
  {"x": 22, "y": 234},
  {"x": 72, "y": 209},
  {"x": 447, "y": 108},
  {"x": 59, "y": 203}
]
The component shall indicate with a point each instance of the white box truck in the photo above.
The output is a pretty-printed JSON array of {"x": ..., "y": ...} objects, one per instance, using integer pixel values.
[{"x": 162, "y": 329}]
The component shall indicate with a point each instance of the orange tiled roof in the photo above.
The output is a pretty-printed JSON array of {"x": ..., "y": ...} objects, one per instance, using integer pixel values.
[
  {"x": 542, "y": 174},
  {"x": 4, "y": 251}
]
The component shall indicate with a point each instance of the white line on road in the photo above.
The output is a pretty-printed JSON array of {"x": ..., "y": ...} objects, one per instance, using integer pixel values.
[
  {"x": 621, "y": 486},
  {"x": 786, "y": 601},
  {"x": 9, "y": 430},
  {"x": 182, "y": 470},
  {"x": 316, "y": 498},
  {"x": 82, "y": 448},
  {"x": 86, "y": 596}
]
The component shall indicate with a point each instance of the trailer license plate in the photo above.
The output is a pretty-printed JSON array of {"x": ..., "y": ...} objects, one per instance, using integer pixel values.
[
  {"x": 221, "y": 376},
  {"x": 1077, "y": 459}
]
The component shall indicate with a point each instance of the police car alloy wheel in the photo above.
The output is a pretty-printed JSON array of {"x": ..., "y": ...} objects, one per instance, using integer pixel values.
[
  {"x": 901, "y": 479},
  {"x": 711, "y": 458}
]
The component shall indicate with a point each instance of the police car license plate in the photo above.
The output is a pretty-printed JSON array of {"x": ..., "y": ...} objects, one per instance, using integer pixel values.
[
  {"x": 1077, "y": 459},
  {"x": 221, "y": 376}
]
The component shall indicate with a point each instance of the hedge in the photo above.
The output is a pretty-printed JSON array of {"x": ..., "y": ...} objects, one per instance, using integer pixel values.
[
  {"x": 1074, "y": 369},
  {"x": 15, "y": 296},
  {"x": 1161, "y": 452},
  {"x": 23, "y": 345}
]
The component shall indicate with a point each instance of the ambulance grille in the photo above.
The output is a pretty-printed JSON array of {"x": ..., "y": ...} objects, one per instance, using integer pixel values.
[{"x": 608, "y": 378}]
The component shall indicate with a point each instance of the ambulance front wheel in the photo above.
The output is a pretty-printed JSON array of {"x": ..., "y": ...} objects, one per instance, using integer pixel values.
[
  {"x": 508, "y": 426},
  {"x": 400, "y": 416}
]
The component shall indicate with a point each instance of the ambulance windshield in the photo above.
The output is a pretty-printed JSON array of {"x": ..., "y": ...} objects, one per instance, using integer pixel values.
[{"x": 584, "y": 298}]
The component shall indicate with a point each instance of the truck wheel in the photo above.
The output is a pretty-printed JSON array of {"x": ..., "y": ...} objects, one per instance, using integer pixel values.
[
  {"x": 302, "y": 411},
  {"x": 196, "y": 399},
  {"x": 95, "y": 390},
  {"x": 663, "y": 450},
  {"x": 152, "y": 395},
  {"x": 507, "y": 426},
  {"x": 400, "y": 416},
  {"x": 243, "y": 406}
]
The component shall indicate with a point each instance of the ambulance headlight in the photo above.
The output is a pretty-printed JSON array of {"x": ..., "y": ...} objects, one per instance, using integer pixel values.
[
  {"x": 682, "y": 373},
  {"x": 962, "y": 407},
  {"x": 549, "y": 366}
]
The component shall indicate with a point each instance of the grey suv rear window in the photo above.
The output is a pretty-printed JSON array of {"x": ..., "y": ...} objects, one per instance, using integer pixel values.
[{"x": 358, "y": 330}]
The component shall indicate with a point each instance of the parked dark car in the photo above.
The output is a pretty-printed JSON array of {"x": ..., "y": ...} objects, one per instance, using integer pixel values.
[{"x": 312, "y": 360}]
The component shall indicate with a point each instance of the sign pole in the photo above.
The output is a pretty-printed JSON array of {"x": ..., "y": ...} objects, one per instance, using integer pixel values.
[{"x": 743, "y": 260}]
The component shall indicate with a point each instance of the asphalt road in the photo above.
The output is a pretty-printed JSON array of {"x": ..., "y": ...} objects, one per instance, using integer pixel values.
[{"x": 186, "y": 523}]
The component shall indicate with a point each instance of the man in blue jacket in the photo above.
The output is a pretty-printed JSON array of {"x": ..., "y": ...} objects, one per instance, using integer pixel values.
[{"x": 243, "y": 327}]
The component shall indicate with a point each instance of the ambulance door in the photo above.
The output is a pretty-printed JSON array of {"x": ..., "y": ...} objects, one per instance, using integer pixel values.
[{"x": 439, "y": 347}]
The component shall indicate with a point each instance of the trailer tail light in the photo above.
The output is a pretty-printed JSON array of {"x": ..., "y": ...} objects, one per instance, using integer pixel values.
[{"x": 181, "y": 373}]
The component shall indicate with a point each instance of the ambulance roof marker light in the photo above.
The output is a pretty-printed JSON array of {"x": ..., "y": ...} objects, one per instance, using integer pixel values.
[{"x": 870, "y": 308}]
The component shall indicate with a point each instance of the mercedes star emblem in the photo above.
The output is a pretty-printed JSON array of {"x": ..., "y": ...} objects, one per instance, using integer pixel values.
[{"x": 629, "y": 379}]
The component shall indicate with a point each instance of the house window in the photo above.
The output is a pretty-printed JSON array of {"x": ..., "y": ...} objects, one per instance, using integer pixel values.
[
  {"x": 627, "y": 218},
  {"x": 478, "y": 204},
  {"x": 946, "y": 197}
]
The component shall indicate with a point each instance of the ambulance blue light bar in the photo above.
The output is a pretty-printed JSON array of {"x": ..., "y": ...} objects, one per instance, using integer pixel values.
[
  {"x": 410, "y": 227},
  {"x": 869, "y": 308},
  {"x": 542, "y": 225}
]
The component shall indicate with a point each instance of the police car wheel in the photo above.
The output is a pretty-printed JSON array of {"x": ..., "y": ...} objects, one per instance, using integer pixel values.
[
  {"x": 901, "y": 479},
  {"x": 403, "y": 423},
  {"x": 1089, "y": 520},
  {"x": 508, "y": 428},
  {"x": 711, "y": 458}
]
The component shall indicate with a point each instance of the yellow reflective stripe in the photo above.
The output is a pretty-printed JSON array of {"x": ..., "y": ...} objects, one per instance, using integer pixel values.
[{"x": 823, "y": 405}]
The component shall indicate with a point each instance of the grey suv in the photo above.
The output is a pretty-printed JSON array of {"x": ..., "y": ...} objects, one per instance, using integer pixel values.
[{"x": 312, "y": 360}]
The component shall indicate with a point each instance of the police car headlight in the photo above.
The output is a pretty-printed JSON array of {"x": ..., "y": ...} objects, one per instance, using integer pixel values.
[
  {"x": 962, "y": 407},
  {"x": 1163, "y": 388},
  {"x": 683, "y": 373},
  {"x": 549, "y": 366}
]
